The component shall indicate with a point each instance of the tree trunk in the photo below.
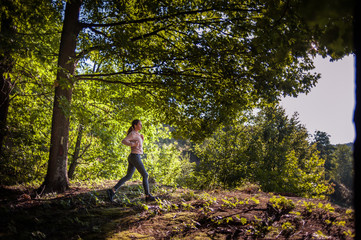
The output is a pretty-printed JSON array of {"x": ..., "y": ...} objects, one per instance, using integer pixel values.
[
  {"x": 6, "y": 65},
  {"x": 74, "y": 162},
  {"x": 357, "y": 118},
  {"x": 56, "y": 179},
  {"x": 5, "y": 86}
]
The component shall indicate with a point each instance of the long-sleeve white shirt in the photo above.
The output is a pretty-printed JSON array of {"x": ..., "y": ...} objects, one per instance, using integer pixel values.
[{"x": 135, "y": 141}]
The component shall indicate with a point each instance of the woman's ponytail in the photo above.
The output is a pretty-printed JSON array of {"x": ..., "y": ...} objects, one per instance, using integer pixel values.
[
  {"x": 135, "y": 122},
  {"x": 130, "y": 130}
]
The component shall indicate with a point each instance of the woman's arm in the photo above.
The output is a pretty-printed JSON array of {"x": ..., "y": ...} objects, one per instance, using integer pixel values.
[{"x": 129, "y": 141}]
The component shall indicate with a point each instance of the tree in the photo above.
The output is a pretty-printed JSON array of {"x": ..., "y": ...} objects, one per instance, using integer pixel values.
[
  {"x": 287, "y": 162},
  {"x": 322, "y": 141},
  {"x": 273, "y": 151},
  {"x": 6, "y": 64},
  {"x": 23, "y": 37},
  {"x": 27, "y": 53},
  {"x": 344, "y": 171},
  {"x": 195, "y": 63},
  {"x": 56, "y": 178},
  {"x": 332, "y": 20},
  {"x": 326, "y": 149},
  {"x": 76, "y": 156}
]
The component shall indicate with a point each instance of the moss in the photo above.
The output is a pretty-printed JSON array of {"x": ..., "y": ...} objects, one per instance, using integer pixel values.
[
  {"x": 125, "y": 235},
  {"x": 75, "y": 216}
]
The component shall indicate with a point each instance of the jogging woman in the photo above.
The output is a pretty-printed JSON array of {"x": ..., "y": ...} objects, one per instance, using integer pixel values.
[{"x": 135, "y": 140}]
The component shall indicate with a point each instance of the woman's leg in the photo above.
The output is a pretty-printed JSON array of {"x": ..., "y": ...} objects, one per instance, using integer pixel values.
[
  {"x": 138, "y": 164},
  {"x": 130, "y": 172}
]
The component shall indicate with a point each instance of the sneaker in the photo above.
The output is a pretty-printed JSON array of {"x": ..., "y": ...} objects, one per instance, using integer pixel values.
[
  {"x": 150, "y": 198},
  {"x": 110, "y": 194}
]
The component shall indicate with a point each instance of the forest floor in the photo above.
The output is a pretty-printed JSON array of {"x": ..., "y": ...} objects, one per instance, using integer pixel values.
[{"x": 84, "y": 212}]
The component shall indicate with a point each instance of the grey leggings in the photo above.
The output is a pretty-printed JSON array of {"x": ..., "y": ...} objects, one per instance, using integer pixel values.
[{"x": 134, "y": 162}]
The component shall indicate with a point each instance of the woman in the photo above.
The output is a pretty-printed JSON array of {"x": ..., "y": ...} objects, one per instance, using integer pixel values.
[{"x": 135, "y": 140}]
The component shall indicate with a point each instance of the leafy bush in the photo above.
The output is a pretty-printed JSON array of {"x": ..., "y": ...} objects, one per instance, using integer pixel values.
[
  {"x": 270, "y": 150},
  {"x": 25, "y": 148},
  {"x": 167, "y": 165}
]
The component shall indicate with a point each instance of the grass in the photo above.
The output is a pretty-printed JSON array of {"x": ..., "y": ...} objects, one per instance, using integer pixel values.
[{"x": 83, "y": 212}]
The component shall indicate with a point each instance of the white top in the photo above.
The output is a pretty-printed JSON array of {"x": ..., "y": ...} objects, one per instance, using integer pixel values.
[{"x": 135, "y": 141}]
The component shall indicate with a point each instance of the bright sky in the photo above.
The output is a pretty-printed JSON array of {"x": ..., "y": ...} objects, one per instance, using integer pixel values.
[{"x": 329, "y": 106}]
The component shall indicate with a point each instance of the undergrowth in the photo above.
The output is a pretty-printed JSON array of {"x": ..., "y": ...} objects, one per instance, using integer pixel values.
[{"x": 84, "y": 212}]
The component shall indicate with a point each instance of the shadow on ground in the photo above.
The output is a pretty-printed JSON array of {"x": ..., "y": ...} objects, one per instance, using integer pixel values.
[{"x": 84, "y": 212}]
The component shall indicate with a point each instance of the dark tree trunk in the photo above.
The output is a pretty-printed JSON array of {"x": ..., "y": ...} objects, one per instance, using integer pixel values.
[
  {"x": 357, "y": 118},
  {"x": 74, "y": 161},
  {"x": 57, "y": 176},
  {"x": 6, "y": 65},
  {"x": 5, "y": 88}
]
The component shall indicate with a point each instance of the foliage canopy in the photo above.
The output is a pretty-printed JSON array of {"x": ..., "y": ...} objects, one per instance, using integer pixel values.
[
  {"x": 198, "y": 63},
  {"x": 194, "y": 65}
]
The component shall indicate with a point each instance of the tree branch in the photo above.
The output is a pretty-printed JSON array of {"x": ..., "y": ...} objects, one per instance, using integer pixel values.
[
  {"x": 287, "y": 5},
  {"x": 156, "y": 19},
  {"x": 98, "y": 32},
  {"x": 85, "y": 149},
  {"x": 114, "y": 73},
  {"x": 149, "y": 34},
  {"x": 86, "y": 51},
  {"x": 129, "y": 84},
  {"x": 99, "y": 76},
  {"x": 170, "y": 43}
]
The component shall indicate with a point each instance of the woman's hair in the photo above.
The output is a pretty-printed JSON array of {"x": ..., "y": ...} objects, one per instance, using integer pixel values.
[{"x": 135, "y": 122}]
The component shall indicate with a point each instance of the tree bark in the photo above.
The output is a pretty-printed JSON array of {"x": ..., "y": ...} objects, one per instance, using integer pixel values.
[
  {"x": 56, "y": 179},
  {"x": 357, "y": 118},
  {"x": 74, "y": 162},
  {"x": 6, "y": 65},
  {"x": 5, "y": 88}
]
